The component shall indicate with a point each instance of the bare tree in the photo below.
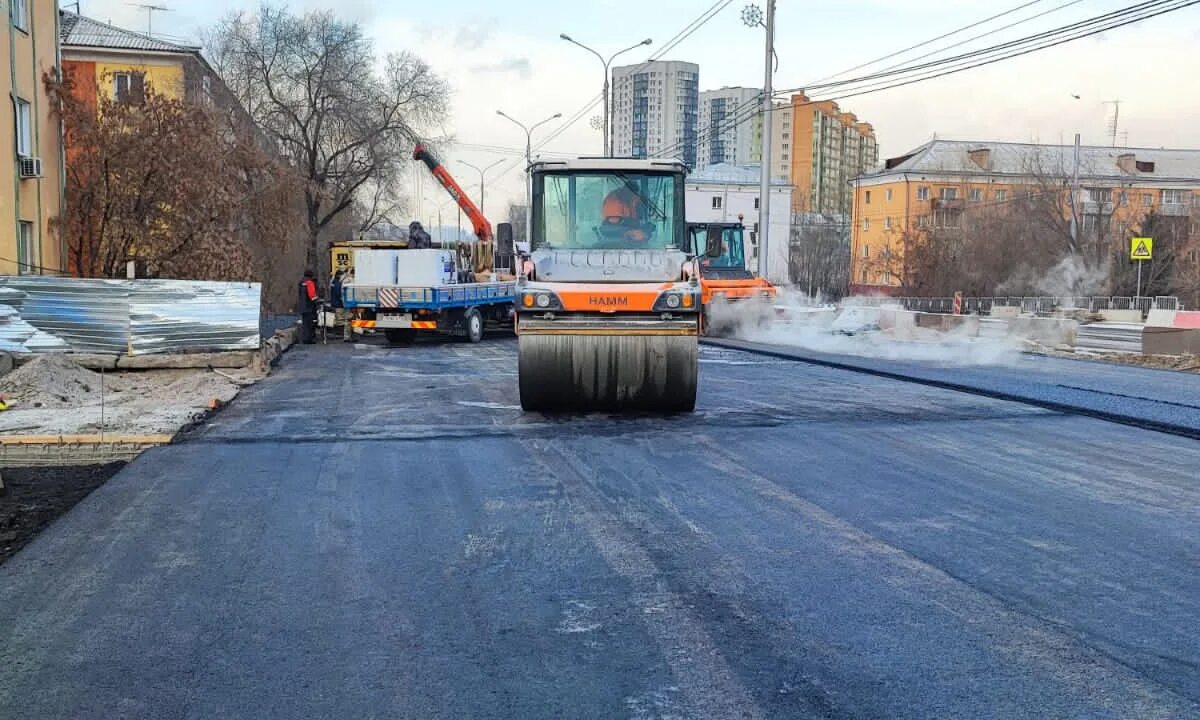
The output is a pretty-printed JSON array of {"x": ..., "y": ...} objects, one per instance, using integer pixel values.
[
  {"x": 348, "y": 124},
  {"x": 168, "y": 185},
  {"x": 819, "y": 257}
]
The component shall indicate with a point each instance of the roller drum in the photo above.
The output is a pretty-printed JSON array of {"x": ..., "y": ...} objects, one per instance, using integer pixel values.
[{"x": 654, "y": 373}]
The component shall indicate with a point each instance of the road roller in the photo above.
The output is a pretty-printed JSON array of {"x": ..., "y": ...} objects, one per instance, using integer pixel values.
[{"x": 605, "y": 320}]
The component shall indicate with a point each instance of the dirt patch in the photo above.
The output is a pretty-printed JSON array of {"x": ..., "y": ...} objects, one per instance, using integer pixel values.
[{"x": 34, "y": 497}]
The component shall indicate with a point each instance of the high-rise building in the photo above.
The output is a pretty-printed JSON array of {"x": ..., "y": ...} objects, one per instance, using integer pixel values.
[
  {"x": 826, "y": 149},
  {"x": 727, "y": 127},
  {"x": 656, "y": 110},
  {"x": 31, "y": 186}
]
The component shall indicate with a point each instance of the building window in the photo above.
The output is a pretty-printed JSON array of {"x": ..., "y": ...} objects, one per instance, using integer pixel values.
[
  {"x": 922, "y": 193},
  {"x": 716, "y": 203},
  {"x": 887, "y": 223},
  {"x": 887, "y": 194},
  {"x": 20, "y": 14},
  {"x": 864, "y": 277},
  {"x": 1001, "y": 195},
  {"x": 923, "y": 221},
  {"x": 1147, "y": 199},
  {"x": 950, "y": 219},
  {"x": 129, "y": 86},
  {"x": 866, "y": 223},
  {"x": 755, "y": 203},
  {"x": 24, "y": 128},
  {"x": 1099, "y": 195},
  {"x": 975, "y": 195},
  {"x": 1124, "y": 199},
  {"x": 867, "y": 197},
  {"x": 948, "y": 194},
  {"x": 887, "y": 277},
  {"x": 27, "y": 259},
  {"x": 866, "y": 250},
  {"x": 1174, "y": 197}
]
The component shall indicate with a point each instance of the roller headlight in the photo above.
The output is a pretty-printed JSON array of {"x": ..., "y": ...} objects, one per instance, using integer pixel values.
[
  {"x": 543, "y": 300},
  {"x": 673, "y": 301},
  {"x": 682, "y": 299}
]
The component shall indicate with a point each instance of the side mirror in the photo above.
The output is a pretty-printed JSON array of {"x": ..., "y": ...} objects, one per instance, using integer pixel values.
[{"x": 712, "y": 243}]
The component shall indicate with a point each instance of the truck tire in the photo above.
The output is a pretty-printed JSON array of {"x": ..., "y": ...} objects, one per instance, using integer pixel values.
[
  {"x": 400, "y": 336},
  {"x": 473, "y": 325}
]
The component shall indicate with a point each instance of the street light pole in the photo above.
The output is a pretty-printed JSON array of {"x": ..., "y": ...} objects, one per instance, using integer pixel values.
[
  {"x": 753, "y": 16},
  {"x": 481, "y": 172},
  {"x": 607, "y": 129},
  {"x": 528, "y": 162}
]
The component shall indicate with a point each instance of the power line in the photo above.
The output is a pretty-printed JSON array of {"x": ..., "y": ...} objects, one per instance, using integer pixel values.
[
  {"x": 960, "y": 63},
  {"x": 929, "y": 41}
]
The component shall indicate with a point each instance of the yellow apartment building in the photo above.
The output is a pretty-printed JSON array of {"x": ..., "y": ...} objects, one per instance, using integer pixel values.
[
  {"x": 936, "y": 186},
  {"x": 823, "y": 148},
  {"x": 31, "y": 185}
]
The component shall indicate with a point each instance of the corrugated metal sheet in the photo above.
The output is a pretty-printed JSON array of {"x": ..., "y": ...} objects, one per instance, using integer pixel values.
[
  {"x": 137, "y": 316},
  {"x": 167, "y": 315}
]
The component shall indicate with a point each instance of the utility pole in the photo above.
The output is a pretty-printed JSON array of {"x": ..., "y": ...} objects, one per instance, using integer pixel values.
[
  {"x": 753, "y": 16},
  {"x": 1075, "y": 199},
  {"x": 607, "y": 127}
]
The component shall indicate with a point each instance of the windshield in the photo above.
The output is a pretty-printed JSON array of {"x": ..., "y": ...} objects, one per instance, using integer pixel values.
[
  {"x": 732, "y": 249},
  {"x": 607, "y": 209}
]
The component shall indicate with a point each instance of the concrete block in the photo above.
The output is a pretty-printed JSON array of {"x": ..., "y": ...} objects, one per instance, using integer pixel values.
[
  {"x": 7, "y": 363},
  {"x": 1045, "y": 331},
  {"x": 1170, "y": 341},
  {"x": 1161, "y": 318},
  {"x": 1131, "y": 316},
  {"x": 94, "y": 361},
  {"x": 230, "y": 360},
  {"x": 1004, "y": 311}
]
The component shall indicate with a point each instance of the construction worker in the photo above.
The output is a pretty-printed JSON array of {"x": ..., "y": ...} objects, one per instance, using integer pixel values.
[
  {"x": 307, "y": 306},
  {"x": 341, "y": 314},
  {"x": 622, "y": 208},
  {"x": 418, "y": 239}
]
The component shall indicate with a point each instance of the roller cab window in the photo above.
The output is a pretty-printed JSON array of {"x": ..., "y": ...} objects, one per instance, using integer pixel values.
[
  {"x": 731, "y": 253},
  {"x": 608, "y": 210}
]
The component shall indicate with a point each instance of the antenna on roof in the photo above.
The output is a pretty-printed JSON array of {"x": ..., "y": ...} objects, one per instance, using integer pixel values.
[
  {"x": 1112, "y": 124},
  {"x": 150, "y": 10}
]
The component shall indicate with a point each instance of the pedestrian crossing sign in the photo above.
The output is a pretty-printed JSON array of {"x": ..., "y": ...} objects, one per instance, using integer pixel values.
[{"x": 1141, "y": 248}]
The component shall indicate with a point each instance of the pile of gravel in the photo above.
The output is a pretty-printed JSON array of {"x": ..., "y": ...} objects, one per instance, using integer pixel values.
[{"x": 55, "y": 381}]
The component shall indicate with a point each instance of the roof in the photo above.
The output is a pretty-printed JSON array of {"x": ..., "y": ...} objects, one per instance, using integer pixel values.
[
  {"x": 79, "y": 31},
  {"x": 603, "y": 163},
  {"x": 950, "y": 157},
  {"x": 727, "y": 174}
]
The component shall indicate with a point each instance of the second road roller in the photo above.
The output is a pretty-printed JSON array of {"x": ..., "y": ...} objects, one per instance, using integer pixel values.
[{"x": 605, "y": 319}]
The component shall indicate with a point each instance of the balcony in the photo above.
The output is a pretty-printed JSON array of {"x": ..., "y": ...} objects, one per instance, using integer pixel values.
[
  {"x": 1097, "y": 208},
  {"x": 942, "y": 204},
  {"x": 1175, "y": 209}
]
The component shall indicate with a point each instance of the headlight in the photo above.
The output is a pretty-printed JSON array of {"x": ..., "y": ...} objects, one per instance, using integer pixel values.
[
  {"x": 543, "y": 300},
  {"x": 672, "y": 301},
  {"x": 676, "y": 300},
  {"x": 535, "y": 299}
]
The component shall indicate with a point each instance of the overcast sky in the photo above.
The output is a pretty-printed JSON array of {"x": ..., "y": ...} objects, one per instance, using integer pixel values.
[{"x": 507, "y": 55}]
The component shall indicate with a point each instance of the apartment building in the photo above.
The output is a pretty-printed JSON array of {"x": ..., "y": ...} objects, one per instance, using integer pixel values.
[
  {"x": 656, "y": 107},
  {"x": 31, "y": 187},
  {"x": 938, "y": 186},
  {"x": 824, "y": 149},
  {"x": 730, "y": 193},
  {"x": 728, "y": 124}
]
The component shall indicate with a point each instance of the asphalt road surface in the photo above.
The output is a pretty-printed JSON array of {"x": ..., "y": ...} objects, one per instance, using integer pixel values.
[{"x": 376, "y": 533}]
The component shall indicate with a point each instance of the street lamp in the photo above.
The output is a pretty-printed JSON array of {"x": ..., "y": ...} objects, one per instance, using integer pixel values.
[
  {"x": 528, "y": 161},
  {"x": 481, "y": 172},
  {"x": 753, "y": 16},
  {"x": 528, "y": 131},
  {"x": 607, "y": 134}
]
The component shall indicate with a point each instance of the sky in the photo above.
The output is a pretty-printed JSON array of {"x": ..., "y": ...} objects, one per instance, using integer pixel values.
[{"x": 508, "y": 56}]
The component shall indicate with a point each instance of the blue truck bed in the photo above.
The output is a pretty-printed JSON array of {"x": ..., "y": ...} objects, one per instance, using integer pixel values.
[{"x": 441, "y": 297}]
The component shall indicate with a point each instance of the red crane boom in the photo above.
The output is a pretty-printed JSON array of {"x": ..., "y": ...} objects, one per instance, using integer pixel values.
[{"x": 483, "y": 228}]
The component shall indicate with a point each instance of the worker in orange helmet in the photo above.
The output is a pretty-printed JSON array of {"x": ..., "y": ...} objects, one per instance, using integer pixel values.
[{"x": 623, "y": 207}]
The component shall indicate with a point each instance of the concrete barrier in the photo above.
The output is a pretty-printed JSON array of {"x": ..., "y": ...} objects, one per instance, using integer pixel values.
[
  {"x": 1161, "y": 318},
  {"x": 1130, "y": 316},
  {"x": 1004, "y": 311},
  {"x": 1046, "y": 331},
  {"x": 1170, "y": 341}
]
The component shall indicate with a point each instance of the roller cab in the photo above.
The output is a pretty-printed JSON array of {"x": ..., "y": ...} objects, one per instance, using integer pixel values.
[
  {"x": 719, "y": 263},
  {"x": 605, "y": 319}
]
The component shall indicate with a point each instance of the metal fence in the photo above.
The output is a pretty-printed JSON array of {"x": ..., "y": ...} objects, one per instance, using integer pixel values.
[
  {"x": 1026, "y": 305},
  {"x": 139, "y": 317}
]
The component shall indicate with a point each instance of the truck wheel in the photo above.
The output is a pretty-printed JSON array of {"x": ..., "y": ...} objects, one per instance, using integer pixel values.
[
  {"x": 473, "y": 322},
  {"x": 400, "y": 336}
]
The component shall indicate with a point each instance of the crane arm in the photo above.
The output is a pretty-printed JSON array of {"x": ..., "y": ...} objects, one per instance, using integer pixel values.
[{"x": 483, "y": 228}]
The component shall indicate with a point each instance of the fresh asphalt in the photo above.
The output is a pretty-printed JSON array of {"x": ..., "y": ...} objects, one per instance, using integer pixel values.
[{"x": 382, "y": 533}]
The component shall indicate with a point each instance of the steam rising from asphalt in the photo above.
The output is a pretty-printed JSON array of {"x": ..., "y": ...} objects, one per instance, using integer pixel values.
[{"x": 795, "y": 320}]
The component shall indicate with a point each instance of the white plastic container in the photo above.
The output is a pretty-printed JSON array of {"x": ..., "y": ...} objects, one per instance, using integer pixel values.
[
  {"x": 425, "y": 268},
  {"x": 376, "y": 266}
]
